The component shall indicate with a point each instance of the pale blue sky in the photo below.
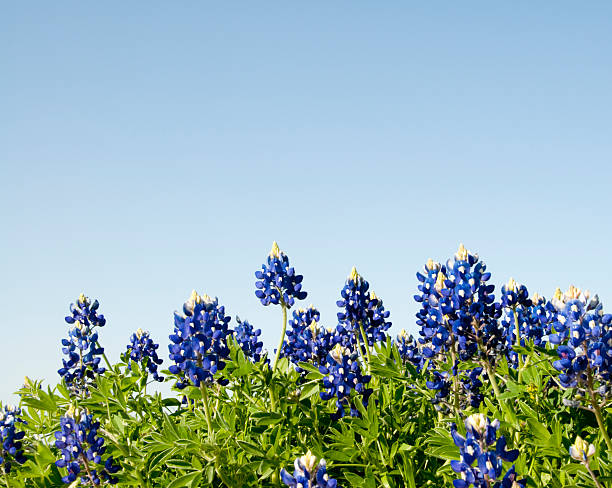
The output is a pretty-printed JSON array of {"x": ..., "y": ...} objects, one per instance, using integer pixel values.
[{"x": 149, "y": 148}]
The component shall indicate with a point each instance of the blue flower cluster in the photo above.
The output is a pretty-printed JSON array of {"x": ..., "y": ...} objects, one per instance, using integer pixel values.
[
  {"x": 475, "y": 447},
  {"x": 82, "y": 450},
  {"x": 248, "y": 340},
  {"x": 409, "y": 350},
  {"x": 308, "y": 341},
  {"x": 470, "y": 386},
  {"x": 82, "y": 347},
  {"x": 308, "y": 474},
  {"x": 361, "y": 308},
  {"x": 278, "y": 282},
  {"x": 11, "y": 449},
  {"x": 586, "y": 355},
  {"x": 513, "y": 295},
  {"x": 199, "y": 342},
  {"x": 458, "y": 309},
  {"x": 143, "y": 350},
  {"x": 342, "y": 375}
]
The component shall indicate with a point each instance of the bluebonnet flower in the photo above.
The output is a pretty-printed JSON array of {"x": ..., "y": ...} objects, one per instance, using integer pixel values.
[
  {"x": 477, "y": 447},
  {"x": 308, "y": 474},
  {"x": 355, "y": 301},
  {"x": 11, "y": 448},
  {"x": 361, "y": 309},
  {"x": 307, "y": 340},
  {"x": 278, "y": 282},
  {"x": 513, "y": 294},
  {"x": 585, "y": 353},
  {"x": 199, "y": 342},
  {"x": 82, "y": 450},
  {"x": 82, "y": 347},
  {"x": 377, "y": 324},
  {"x": 143, "y": 350},
  {"x": 581, "y": 450},
  {"x": 469, "y": 393},
  {"x": 248, "y": 340},
  {"x": 409, "y": 350},
  {"x": 343, "y": 375},
  {"x": 458, "y": 310}
]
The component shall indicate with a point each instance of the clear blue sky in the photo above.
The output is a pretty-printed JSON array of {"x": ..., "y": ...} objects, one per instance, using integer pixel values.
[{"x": 149, "y": 148}]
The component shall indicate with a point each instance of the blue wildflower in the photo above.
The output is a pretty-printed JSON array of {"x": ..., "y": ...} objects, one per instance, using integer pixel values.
[
  {"x": 513, "y": 295},
  {"x": 278, "y": 282},
  {"x": 355, "y": 301},
  {"x": 143, "y": 350},
  {"x": 307, "y": 340},
  {"x": 199, "y": 342},
  {"x": 82, "y": 347},
  {"x": 458, "y": 310},
  {"x": 11, "y": 448},
  {"x": 308, "y": 474},
  {"x": 82, "y": 450},
  {"x": 343, "y": 375},
  {"x": 248, "y": 340},
  {"x": 585, "y": 352},
  {"x": 409, "y": 350},
  {"x": 477, "y": 447}
]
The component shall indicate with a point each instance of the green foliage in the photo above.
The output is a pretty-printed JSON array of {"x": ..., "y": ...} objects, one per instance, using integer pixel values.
[{"x": 398, "y": 440}]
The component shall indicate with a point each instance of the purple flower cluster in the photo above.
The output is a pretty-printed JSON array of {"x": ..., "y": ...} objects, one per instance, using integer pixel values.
[
  {"x": 81, "y": 347},
  {"x": 143, "y": 350},
  {"x": 585, "y": 334},
  {"x": 199, "y": 342},
  {"x": 480, "y": 462},
  {"x": 342, "y": 376},
  {"x": 277, "y": 281},
  {"x": 82, "y": 450},
  {"x": 248, "y": 340},
  {"x": 308, "y": 341},
  {"x": 11, "y": 448},
  {"x": 308, "y": 474}
]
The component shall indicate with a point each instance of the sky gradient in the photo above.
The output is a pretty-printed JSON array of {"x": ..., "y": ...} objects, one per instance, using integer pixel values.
[{"x": 150, "y": 148}]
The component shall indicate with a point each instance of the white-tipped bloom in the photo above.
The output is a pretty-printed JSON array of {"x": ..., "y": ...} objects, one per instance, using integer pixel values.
[
  {"x": 512, "y": 286},
  {"x": 440, "y": 282},
  {"x": 581, "y": 450},
  {"x": 338, "y": 352},
  {"x": 431, "y": 264},
  {"x": 462, "y": 253},
  {"x": 275, "y": 252},
  {"x": 478, "y": 422}
]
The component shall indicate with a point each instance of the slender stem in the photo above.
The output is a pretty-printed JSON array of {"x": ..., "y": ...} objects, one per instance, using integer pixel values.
[
  {"x": 282, "y": 339},
  {"x": 205, "y": 400},
  {"x": 6, "y": 478},
  {"x": 491, "y": 374},
  {"x": 365, "y": 345},
  {"x": 455, "y": 376},
  {"x": 517, "y": 328},
  {"x": 595, "y": 480},
  {"x": 597, "y": 411},
  {"x": 86, "y": 464},
  {"x": 104, "y": 356}
]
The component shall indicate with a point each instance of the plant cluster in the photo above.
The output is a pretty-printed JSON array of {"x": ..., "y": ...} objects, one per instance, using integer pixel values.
[{"x": 508, "y": 391}]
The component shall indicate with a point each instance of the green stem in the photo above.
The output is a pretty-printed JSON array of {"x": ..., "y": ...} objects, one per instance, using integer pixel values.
[
  {"x": 6, "y": 478},
  {"x": 105, "y": 358},
  {"x": 597, "y": 411},
  {"x": 205, "y": 400},
  {"x": 455, "y": 376},
  {"x": 365, "y": 345},
  {"x": 282, "y": 339},
  {"x": 517, "y": 328},
  {"x": 493, "y": 379},
  {"x": 595, "y": 480}
]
